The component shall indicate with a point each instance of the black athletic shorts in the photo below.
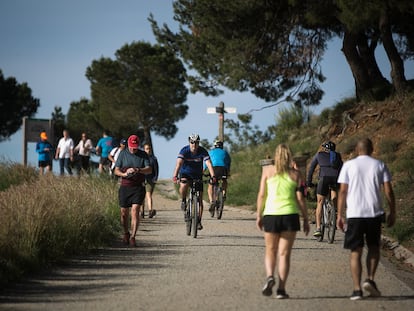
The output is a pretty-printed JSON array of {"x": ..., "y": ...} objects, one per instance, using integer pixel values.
[
  {"x": 324, "y": 183},
  {"x": 280, "y": 223},
  {"x": 360, "y": 230},
  {"x": 44, "y": 163},
  {"x": 220, "y": 171},
  {"x": 131, "y": 195},
  {"x": 187, "y": 179}
]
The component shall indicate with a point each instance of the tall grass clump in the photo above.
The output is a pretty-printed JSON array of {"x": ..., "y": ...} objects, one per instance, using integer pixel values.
[
  {"x": 51, "y": 218},
  {"x": 15, "y": 174}
]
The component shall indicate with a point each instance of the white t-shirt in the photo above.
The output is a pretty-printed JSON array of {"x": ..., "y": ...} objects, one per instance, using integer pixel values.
[
  {"x": 65, "y": 146},
  {"x": 364, "y": 176},
  {"x": 115, "y": 153}
]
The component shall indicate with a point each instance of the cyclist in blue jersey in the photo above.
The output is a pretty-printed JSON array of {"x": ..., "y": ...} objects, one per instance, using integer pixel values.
[
  {"x": 221, "y": 162},
  {"x": 189, "y": 166}
]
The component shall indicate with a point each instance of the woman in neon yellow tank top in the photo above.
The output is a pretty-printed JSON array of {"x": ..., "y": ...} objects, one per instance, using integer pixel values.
[{"x": 278, "y": 204}]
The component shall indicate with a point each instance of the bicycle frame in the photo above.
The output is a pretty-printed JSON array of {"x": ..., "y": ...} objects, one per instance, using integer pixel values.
[
  {"x": 328, "y": 221},
  {"x": 193, "y": 208},
  {"x": 218, "y": 197}
]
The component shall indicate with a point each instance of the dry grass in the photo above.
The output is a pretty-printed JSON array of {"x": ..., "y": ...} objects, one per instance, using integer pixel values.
[{"x": 51, "y": 218}]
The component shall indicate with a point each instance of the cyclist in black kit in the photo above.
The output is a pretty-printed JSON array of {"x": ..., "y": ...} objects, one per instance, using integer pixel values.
[{"x": 330, "y": 164}]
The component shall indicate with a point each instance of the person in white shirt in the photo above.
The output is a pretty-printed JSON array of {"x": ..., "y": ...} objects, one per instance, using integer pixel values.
[
  {"x": 114, "y": 154},
  {"x": 64, "y": 153},
  {"x": 83, "y": 149},
  {"x": 361, "y": 181}
]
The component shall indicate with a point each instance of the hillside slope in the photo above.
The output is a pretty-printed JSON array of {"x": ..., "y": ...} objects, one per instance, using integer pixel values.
[{"x": 390, "y": 125}]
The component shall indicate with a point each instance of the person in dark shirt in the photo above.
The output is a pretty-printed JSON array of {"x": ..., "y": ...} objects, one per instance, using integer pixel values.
[
  {"x": 328, "y": 175},
  {"x": 132, "y": 165}
]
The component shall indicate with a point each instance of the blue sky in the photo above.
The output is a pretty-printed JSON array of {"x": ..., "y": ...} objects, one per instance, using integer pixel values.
[{"x": 50, "y": 43}]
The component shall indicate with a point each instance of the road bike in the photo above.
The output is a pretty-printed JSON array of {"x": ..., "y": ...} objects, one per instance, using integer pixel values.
[
  {"x": 328, "y": 221},
  {"x": 192, "y": 211},
  {"x": 218, "y": 198}
]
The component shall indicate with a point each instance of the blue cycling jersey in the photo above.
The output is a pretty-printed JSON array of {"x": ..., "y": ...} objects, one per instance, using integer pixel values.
[
  {"x": 220, "y": 157},
  {"x": 193, "y": 162}
]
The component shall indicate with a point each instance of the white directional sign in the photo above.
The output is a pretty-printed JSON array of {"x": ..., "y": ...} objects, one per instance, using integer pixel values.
[{"x": 211, "y": 110}]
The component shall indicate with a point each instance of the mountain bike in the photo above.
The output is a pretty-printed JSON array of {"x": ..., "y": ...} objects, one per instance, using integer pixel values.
[
  {"x": 328, "y": 221},
  {"x": 193, "y": 207},
  {"x": 218, "y": 198}
]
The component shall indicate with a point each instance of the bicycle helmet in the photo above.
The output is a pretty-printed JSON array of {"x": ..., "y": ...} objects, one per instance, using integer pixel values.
[
  {"x": 194, "y": 137},
  {"x": 218, "y": 144},
  {"x": 329, "y": 145}
]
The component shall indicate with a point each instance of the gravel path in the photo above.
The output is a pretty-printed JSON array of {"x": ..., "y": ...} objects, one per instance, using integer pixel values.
[{"x": 220, "y": 270}]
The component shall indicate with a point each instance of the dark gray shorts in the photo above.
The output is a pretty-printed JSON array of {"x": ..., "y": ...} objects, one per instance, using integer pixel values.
[
  {"x": 280, "y": 223},
  {"x": 131, "y": 195},
  {"x": 360, "y": 230}
]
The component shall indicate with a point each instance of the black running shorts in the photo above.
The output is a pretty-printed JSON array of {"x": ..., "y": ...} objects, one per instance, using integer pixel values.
[
  {"x": 131, "y": 195},
  {"x": 360, "y": 230},
  {"x": 280, "y": 223}
]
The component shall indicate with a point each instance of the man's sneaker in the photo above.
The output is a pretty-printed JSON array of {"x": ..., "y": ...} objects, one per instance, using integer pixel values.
[
  {"x": 267, "y": 288},
  {"x": 211, "y": 209},
  {"x": 132, "y": 242},
  {"x": 125, "y": 238},
  {"x": 356, "y": 295},
  {"x": 317, "y": 233},
  {"x": 152, "y": 213},
  {"x": 281, "y": 294},
  {"x": 183, "y": 206},
  {"x": 371, "y": 288}
]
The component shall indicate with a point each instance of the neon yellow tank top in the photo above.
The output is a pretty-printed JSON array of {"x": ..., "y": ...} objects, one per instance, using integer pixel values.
[{"x": 281, "y": 196}]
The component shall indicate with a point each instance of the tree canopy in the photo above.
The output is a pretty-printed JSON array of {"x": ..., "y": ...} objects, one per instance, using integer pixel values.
[
  {"x": 143, "y": 89},
  {"x": 274, "y": 48},
  {"x": 16, "y": 102}
]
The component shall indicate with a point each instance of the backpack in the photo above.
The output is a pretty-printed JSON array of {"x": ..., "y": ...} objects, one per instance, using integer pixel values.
[{"x": 334, "y": 160}]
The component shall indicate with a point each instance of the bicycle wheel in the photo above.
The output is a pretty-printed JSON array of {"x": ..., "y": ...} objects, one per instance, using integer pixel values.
[
  {"x": 331, "y": 222},
  {"x": 194, "y": 215},
  {"x": 219, "y": 203},
  {"x": 188, "y": 216}
]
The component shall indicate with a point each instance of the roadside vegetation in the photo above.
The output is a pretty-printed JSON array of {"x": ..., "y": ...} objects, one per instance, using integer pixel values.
[{"x": 46, "y": 220}]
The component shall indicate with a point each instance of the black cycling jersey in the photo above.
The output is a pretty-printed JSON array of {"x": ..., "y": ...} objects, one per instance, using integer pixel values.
[{"x": 323, "y": 160}]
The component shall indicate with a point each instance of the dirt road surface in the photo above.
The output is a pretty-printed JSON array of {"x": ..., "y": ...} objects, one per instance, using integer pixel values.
[{"x": 222, "y": 269}]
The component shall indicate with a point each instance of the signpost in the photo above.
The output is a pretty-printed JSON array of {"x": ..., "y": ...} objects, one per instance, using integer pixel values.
[
  {"x": 31, "y": 131},
  {"x": 220, "y": 110}
]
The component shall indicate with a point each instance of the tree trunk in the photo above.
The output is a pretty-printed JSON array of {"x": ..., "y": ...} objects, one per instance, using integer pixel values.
[
  {"x": 148, "y": 139},
  {"x": 367, "y": 53},
  {"x": 397, "y": 65},
  {"x": 357, "y": 65}
]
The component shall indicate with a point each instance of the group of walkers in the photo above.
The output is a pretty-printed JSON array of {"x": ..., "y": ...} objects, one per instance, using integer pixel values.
[
  {"x": 360, "y": 210},
  {"x": 136, "y": 169},
  {"x": 356, "y": 188}
]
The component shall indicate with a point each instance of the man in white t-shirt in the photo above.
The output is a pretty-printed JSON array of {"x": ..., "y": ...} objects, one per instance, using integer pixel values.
[
  {"x": 361, "y": 181},
  {"x": 64, "y": 152}
]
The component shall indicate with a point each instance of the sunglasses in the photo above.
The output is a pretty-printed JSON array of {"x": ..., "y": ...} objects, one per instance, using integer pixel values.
[{"x": 194, "y": 142}]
